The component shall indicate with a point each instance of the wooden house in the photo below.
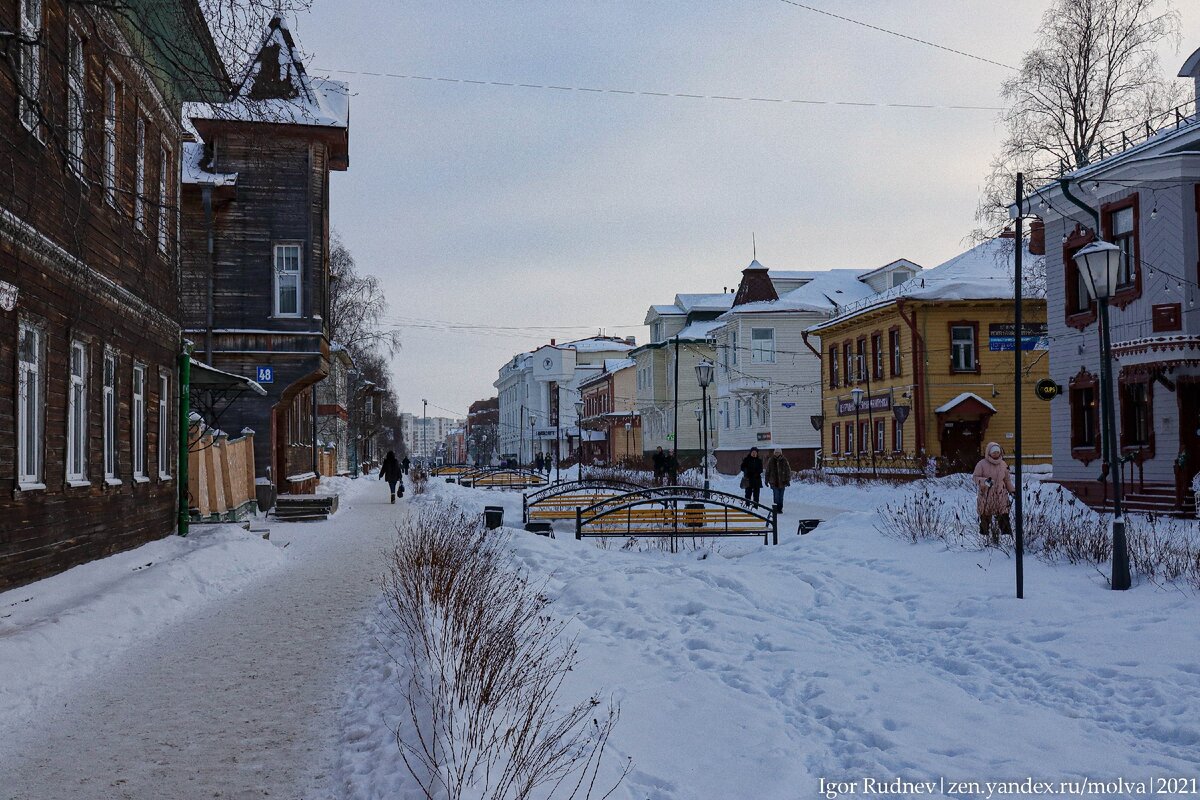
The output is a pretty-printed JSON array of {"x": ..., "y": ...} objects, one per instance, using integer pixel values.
[
  {"x": 256, "y": 247},
  {"x": 89, "y": 315},
  {"x": 925, "y": 369}
]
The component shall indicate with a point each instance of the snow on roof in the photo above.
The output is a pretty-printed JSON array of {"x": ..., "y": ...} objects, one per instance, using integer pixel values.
[
  {"x": 942, "y": 409},
  {"x": 700, "y": 330},
  {"x": 703, "y": 302},
  {"x": 826, "y": 292},
  {"x": 276, "y": 89},
  {"x": 982, "y": 273},
  {"x": 194, "y": 171},
  {"x": 667, "y": 309},
  {"x": 617, "y": 364},
  {"x": 597, "y": 344}
]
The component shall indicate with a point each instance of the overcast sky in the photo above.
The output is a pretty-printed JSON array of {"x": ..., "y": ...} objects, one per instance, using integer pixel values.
[{"x": 520, "y": 207}]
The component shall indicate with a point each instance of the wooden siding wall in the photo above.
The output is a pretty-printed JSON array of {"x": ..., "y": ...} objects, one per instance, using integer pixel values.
[{"x": 84, "y": 273}]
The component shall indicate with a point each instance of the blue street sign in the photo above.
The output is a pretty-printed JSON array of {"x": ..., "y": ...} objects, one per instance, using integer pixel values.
[{"x": 266, "y": 374}]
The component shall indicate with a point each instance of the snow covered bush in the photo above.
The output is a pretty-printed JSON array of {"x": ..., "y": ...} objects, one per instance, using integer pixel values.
[
  {"x": 1059, "y": 526},
  {"x": 1162, "y": 549},
  {"x": 484, "y": 663},
  {"x": 925, "y": 514}
]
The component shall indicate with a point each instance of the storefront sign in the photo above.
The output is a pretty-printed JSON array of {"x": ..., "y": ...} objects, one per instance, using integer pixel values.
[
  {"x": 880, "y": 402},
  {"x": 764, "y": 437},
  {"x": 545, "y": 433},
  {"x": 1003, "y": 335}
]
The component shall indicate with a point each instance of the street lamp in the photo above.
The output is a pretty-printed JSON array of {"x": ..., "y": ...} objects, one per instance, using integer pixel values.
[
  {"x": 1099, "y": 266},
  {"x": 424, "y": 429},
  {"x": 532, "y": 423},
  {"x": 628, "y": 448},
  {"x": 858, "y": 445},
  {"x": 704, "y": 376},
  {"x": 579, "y": 428}
]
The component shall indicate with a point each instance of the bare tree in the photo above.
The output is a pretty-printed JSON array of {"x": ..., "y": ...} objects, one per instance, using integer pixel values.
[
  {"x": 357, "y": 306},
  {"x": 1093, "y": 73}
]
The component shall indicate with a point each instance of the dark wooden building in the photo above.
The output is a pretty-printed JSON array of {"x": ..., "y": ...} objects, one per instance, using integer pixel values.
[
  {"x": 256, "y": 247},
  {"x": 90, "y": 138}
]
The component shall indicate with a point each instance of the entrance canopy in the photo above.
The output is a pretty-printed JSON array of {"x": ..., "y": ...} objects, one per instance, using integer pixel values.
[{"x": 967, "y": 405}]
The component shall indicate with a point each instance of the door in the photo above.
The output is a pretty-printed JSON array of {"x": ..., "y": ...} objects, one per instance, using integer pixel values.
[
  {"x": 961, "y": 444},
  {"x": 1189, "y": 436}
]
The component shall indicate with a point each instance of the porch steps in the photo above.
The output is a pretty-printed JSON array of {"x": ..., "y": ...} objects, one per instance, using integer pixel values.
[
  {"x": 304, "y": 507},
  {"x": 1154, "y": 500}
]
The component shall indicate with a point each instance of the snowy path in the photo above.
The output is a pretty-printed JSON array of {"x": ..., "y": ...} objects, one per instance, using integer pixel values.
[{"x": 240, "y": 699}]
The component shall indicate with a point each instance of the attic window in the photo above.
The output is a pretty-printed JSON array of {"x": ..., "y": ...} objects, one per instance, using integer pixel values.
[{"x": 900, "y": 276}]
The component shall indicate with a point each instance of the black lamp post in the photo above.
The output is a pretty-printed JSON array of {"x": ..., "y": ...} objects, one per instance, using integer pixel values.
[
  {"x": 579, "y": 429},
  {"x": 532, "y": 423},
  {"x": 704, "y": 376},
  {"x": 1099, "y": 267}
]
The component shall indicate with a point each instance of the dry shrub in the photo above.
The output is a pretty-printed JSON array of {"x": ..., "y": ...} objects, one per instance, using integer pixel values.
[
  {"x": 420, "y": 480},
  {"x": 485, "y": 662},
  {"x": 924, "y": 514},
  {"x": 1163, "y": 549}
]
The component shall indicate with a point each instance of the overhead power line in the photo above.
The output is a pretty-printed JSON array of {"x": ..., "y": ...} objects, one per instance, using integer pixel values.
[
  {"x": 647, "y": 93},
  {"x": 925, "y": 42}
]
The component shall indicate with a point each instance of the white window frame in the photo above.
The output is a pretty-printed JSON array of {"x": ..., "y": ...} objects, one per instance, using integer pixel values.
[
  {"x": 737, "y": 405},
  {"x": 725, "y": 414},
  {"x": 109, "y": 171},
  {"x": 108, "y": 408},
  {"x": 139, "y": 172},
  {"x": 836, "y": 438},
  {"x": 295, "y": 274},
  {"x": 759, "y": 353},
  {"x": 880, "y": 435},
  {"x": 164, "y": 426},
  {"x": 137, "y": 422},
  {"x": 76, "y": 99},
  {"x": 733, "y": 345},
  {"x": 164, "y": 216},
  {"x": 29, "y": 70},
  {"x": 31, "y": 433},
  {"x": 77, "y": 417},
  {"x": 967, "y": 347}
]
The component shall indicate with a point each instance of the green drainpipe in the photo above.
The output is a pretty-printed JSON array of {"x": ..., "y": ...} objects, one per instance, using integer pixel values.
[{"x": 185, "y": 411}]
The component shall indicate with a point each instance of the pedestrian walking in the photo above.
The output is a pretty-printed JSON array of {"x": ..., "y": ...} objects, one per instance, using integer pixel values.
[
  {"x": 391, "y": 472},
  {"x": 752, "y": 474},
  {"x": 779, "y": 477},
  {"x": 671, "y": 466},
  {"x": 539, "y": 462},
  {"x": 659, "y": 462},
  {"x": 995, "y": 487},
  {"x": 404, "y": 465}
]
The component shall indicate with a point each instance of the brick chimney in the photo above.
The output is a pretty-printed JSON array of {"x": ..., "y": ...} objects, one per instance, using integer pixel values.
[
  {"x": 553, "y": 342},
  {"x": 1037, "y": 237},
  {"x": 756, "y": 285}
]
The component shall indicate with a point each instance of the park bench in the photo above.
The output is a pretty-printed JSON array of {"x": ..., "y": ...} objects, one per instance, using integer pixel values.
[
  {"x": 673, "y": 512},
  {"x": 502, "y": 478},
  {"x": 559, "y": 501}
]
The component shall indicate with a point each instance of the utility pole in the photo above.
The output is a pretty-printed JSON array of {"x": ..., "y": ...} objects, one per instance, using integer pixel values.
[
  {"x": 424, "y": 428},
  {"x": 675, "y": 427},
  {"x": 1018, "y": 308}
]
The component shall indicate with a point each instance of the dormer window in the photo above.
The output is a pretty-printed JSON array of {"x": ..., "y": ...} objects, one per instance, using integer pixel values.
[{"x": 900, "y": 276}]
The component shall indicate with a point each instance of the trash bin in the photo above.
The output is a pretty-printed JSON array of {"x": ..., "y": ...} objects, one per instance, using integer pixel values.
[
  {"x": 807, "y": 526},
  {"x": 540, "y": 528},
  {"x": 493, "y": 516},
  {"x": 693, "y": 515},
  {"x": 449, "y": 480}
]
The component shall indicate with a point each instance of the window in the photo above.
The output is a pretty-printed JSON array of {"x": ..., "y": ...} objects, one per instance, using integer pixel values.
[
  {"x": 849, "y": 438},
  {"x": 766, "y": 410},
  {"x": 836, "y": 445},
  {"x": 656, "y": 332},
  {"x": 737, "y": 404},
  {"x": 962, "y": 348},
  {"x": 750, "y": 413},
  {"x": 894, "y": 349},
  {"x": 725, "y": 414},
  {"x": 733, "y": 345},
  {"x": 30, "y": 76},
  {"x": 897, "y": 437},
  {"x": 1122, "y": 231},
  {"x": 880, "y": 435},
  {"x": 164, "y": 216},
  {"x": 762, "y": 345},
  {"x": 30, "y": 357},
  {"x": 110, "y": 140},
  {"x": 109, "y": 396},
  {"x": 877, "y": 355},
  {"x": 139, "y": 173},
  {"x": 899, "y": 277},
  {"x": 77, "y": 415},
  {"x": 860, "y": 361},
  {"x": 164, "y": 427},
  {"x": 833, "y": 367},
  {"x": 137, "y": 422},
  {"x": 287, "y": 280},
  {"x": 864, "y": 436},
  {"x": 76, "y": 83},
  {"x": 847, "y": 360},
  {"x": 1136, "y": 416}
]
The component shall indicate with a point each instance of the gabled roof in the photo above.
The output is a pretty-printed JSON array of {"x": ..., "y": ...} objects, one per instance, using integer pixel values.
[
  {"x": 689, "y": 303},
  {"x": 899, "y": 263},
  {"x": 982, "y": 273},
  {"x": 825, "y": 292},
  {"x": 965, "y": 397}
]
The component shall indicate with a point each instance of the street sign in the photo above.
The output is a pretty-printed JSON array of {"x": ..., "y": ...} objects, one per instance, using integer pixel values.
[
  {"x": 670, "y": 437},
  {"x": 1002, "y": 336},
  {"x": 1047, "y": 389},
  {"x": 266, "y": 375},
  {"x": 764, "y": 436}
]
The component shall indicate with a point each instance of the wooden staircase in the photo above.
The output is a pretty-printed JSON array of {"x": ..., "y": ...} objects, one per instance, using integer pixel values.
[
  {"x": 304, "y": 507},
  {"x": 1153, "y": 500}
]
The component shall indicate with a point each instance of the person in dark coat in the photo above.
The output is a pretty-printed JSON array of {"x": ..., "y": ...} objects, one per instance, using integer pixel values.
[
  {"x": 671, "y": 465},
  {"x": 404, "y": 465},
  {"x": 752, "y": 474},
  {"x": 390, "y": 472},
  {"x": 779, "y": 477},
  {"x": 659, "y": 462}
]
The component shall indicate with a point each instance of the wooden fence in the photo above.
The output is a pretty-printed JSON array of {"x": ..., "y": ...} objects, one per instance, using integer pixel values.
[{"x": 220, "y": 475}]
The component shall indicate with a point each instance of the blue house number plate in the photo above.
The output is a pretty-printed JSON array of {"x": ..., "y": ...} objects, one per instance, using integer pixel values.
[{"x": 266, "y": 374}]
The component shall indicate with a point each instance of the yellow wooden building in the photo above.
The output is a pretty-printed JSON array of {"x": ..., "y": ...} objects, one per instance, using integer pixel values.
[{"x": 925, "y": 369}]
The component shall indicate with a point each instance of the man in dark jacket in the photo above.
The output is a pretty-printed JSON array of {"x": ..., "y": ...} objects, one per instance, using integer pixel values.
[
  {"x": 404, "y": 465},
  {"x": 390, "y": 472},
  {"x": 671, "y": 465},
  {"x": 779, "y": 477},
  {"x": 659, "y": 462},
  {"x": 752, "y": 473}
]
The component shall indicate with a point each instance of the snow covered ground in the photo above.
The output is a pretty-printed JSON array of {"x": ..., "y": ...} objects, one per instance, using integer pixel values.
[
  {"x": 845, "y": 655},
  {"x": 232, "y": 667}
]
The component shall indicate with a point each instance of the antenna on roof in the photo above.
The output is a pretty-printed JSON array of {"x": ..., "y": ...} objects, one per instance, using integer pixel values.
[{"x": 753, "y": 246}]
